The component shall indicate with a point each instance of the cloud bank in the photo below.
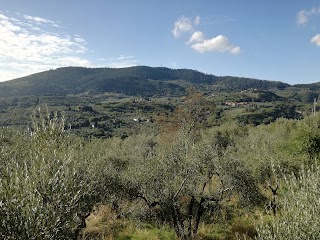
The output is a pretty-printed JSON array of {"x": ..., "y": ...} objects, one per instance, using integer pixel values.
[
  {"x": 32, "y": 44},
  {"x": 198, "y": 41}
]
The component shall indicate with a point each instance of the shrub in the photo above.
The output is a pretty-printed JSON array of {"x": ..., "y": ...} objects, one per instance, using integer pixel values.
[
  {"x": 43, "y": 192},
  {"x": 299, "y": 209}
]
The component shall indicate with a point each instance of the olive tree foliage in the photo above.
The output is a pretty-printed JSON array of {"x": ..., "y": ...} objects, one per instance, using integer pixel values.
[
  {"x": 265, "y": 146},
  {"x": 45, "y": 192},
  {"x": 299, "y": 202},
  {"x": 108, "y": 161},
  {"x": 306, "y": 138},
  {"x": 186, "y": 171},
  {"x": 286, "y": 144},
  {"x": 185, "y": 176}
]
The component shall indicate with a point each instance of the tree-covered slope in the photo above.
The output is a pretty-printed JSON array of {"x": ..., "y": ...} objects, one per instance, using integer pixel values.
[
  {"x": 235, "y": 83},
  {"x": 139, "y": 80},
  {"x": 311, "y": 86}
]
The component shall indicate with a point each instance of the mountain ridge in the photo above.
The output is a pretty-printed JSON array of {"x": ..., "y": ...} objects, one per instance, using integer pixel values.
[{"x": 137, "y": 80}]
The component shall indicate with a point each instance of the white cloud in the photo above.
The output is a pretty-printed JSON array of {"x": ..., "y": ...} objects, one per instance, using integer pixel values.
[
  {"x": 120, "y": 62},
  {"x": 183, "y": 25},
  {"x": 39, "y": 20},
  {"x": 36, "y": 19},
  {"x": 28, "y": 47},
  {"x": 3, "y": 17},
  {"x": 80, "y": 40},
  {"x": 196, "y": 37},
  {"x": 235, "y": 50},
  {"x": 316, "y": 40},
  {"x": 122, "y": 58},
  {"x": 304, "y": 15},
  {"x": 217, "y": 44}
]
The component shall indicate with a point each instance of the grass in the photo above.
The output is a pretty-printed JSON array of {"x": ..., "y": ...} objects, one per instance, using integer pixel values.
[{"x": 103, "y": 224}]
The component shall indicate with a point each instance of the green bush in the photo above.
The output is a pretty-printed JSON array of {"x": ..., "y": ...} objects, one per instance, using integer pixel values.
[
  {"x": 299, "y": 209},
  {"x": 43, "y": 192}
]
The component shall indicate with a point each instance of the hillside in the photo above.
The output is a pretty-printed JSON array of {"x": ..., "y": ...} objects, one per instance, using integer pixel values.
[
  {"x": 105, "y": 102},
  {"x": 140, "y": 80}
]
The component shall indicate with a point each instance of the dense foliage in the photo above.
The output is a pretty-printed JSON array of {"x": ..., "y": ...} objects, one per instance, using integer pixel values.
[
  {"x": 299, "y": 208},
  {"x": 103, "y": 102},
  {"x": 140, "y": 80},
  {"x": 194, "y": 172},
  {"x": 42, "y": 190}
]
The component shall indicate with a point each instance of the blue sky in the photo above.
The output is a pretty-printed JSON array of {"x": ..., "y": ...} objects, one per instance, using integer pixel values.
[{"x": 265, "y": 39}]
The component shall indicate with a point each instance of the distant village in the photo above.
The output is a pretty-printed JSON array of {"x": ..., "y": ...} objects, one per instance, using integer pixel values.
[{"x": 235, "y": 104}]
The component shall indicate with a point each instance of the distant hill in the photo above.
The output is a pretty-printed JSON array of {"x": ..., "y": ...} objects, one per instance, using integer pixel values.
[
  {"x": 139, "y": 80},
  {"x": 311, "y": 86}
]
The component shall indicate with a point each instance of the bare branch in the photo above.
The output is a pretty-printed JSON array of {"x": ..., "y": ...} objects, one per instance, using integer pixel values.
[
  {"x": 181, "y": 186},
  {"x": 150, "y": 204},
  {"x": 273, "y": 190}
]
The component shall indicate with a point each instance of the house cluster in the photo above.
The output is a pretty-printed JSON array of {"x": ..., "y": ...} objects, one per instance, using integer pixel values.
[
  {"x": 137, "y": 100},
  {"x": 236, "y": 104},
  {"x": 139, "y": 119},
  {"x": 251, "y": 90}
]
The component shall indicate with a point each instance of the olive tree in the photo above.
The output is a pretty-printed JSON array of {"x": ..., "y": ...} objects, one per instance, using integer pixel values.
[
  {"x": 299, "y": 209},
  {"x": 185, "y": 176},
  {"x": 188, "y": 171},
  {"x": 44, "y": 191}
]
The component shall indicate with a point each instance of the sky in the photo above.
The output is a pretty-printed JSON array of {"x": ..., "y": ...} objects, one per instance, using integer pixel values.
[{"x": 265, "y": 39}]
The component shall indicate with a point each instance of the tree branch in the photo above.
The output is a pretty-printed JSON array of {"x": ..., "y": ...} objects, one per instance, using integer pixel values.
[
  {"x": 150, "y": 204},
  {"x": 181, "y": 186}
]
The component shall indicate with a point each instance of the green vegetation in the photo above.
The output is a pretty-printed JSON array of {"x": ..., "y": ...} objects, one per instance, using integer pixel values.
[
  {"x": 211, "y": 183},
  {"x": 299, "y": 207},
  {"x": 208, "y": 165},
  {"x": 103, "y": 102},
  {"x": 140, "y": 80},
  {"x": 42, "y": 186}
]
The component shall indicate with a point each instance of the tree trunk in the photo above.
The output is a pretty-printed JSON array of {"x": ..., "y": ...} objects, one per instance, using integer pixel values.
[
  {"x": 190, "y": 217},
  {"x": 178, "y": 228},
  {"x": 198, "y": 216}
]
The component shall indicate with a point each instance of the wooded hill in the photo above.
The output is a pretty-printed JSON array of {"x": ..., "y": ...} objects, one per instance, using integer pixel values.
[
  {"x": 140, "y": 80},
  {"x": 105, "y": 102}
]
